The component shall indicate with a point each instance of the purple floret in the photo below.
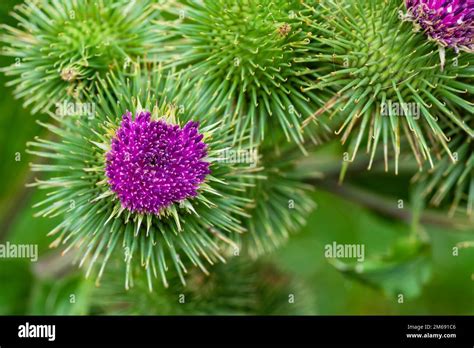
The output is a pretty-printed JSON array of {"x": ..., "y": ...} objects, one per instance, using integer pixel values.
[
  {"x": 153, "y": 164},
  {"x": 450, "y": 22}
]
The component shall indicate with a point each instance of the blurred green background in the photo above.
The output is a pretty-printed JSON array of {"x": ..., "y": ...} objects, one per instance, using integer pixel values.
[{"x": 432, "y": 280}]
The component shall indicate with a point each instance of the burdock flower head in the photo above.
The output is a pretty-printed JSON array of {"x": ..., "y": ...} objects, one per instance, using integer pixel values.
[
  {"x": 144, "y": 178},
  {"x": 449, "y": 22},
  {"x": 153, "y": 164}
]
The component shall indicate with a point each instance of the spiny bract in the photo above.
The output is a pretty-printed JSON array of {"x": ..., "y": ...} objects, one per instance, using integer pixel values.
[
  {"x": 388, "y": 82},
  {"x": 193, "y": 227},
  {"x": 452, "y": 182},
  {"x": 281, "y": 201},
  {"x": 247, "y": 53},
  {"x": 239, "y": 287},
  {"x": 61, "y": 46}
]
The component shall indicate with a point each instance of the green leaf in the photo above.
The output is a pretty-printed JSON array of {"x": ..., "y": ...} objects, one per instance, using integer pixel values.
[{"x": 403, "y": 270}]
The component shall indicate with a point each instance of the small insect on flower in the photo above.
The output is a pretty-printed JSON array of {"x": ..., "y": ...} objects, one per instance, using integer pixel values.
[
  {"x": 284, "y": 30},
  {"x": 153, "y": 164}
]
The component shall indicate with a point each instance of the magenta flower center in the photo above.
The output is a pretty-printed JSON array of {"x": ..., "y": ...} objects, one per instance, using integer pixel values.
[
  {"x": 450, "y": 22},
  {"x": 153, "y": 164}
]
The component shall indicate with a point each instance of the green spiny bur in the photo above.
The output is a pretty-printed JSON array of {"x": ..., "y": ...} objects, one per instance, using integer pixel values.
[
  {"x": 61, "y": 47},
  {"x": 239, "y": 287},
  {"x": 248, "y": 55},
  {"x": 372, "y": 59}
]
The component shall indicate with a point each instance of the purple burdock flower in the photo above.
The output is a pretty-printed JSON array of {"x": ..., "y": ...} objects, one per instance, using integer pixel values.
[
  {"x": 153, "y": 164},
  {"x": 449, "y": 22}
]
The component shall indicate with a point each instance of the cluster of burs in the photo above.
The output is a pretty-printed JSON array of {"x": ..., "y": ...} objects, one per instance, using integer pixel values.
[{"x": 179, "y": 130}]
